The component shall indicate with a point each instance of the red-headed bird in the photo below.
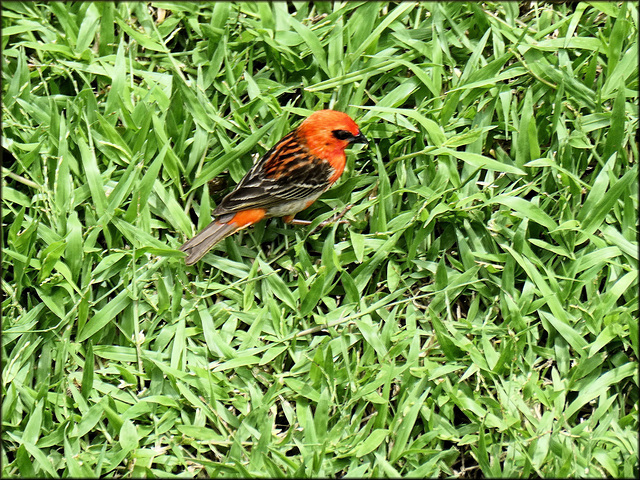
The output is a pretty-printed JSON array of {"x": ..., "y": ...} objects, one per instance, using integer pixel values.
[{"x": 289, "y": 178}]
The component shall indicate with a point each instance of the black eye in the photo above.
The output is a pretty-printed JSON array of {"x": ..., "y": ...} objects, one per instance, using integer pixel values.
[{"x": 342, "y": 134}]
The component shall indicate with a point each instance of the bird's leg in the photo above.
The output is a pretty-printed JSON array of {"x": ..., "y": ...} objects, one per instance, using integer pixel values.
[
  {"x": 294, "y": 221},
  {"x": 289, "y": 219}
]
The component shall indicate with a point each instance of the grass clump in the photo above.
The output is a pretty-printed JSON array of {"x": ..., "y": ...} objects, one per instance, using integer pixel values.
[{"x": 477, "y": 316}]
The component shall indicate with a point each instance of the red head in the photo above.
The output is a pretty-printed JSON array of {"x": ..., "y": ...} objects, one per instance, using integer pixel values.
[{"x": 327, "y": 133}]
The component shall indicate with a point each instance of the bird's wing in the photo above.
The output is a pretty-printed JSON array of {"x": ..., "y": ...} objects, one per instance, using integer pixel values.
[{"x": 286, "y": 172}]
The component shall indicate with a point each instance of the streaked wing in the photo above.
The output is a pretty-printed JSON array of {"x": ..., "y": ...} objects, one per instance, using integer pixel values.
[{"x": 286, "y": 172}]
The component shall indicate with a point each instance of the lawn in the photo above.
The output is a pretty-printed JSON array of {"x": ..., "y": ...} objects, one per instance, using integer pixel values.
[{"x": 476, "y": 314}]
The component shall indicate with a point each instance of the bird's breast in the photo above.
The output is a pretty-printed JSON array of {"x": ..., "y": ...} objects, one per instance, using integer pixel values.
[{"x": 337, "y": 164}]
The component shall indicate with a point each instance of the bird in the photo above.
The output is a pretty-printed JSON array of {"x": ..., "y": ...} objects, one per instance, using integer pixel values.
[{"x": 287, "y": 179}]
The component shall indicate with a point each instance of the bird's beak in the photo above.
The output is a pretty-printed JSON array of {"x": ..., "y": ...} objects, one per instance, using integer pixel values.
[{"x": 360, "y": 138}]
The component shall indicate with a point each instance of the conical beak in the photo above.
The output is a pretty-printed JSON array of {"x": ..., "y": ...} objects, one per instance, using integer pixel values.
[{"x": 360, "y": 138}]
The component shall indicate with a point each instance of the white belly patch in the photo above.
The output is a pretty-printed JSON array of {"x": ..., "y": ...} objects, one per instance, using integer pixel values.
[{"x": 292, "y": 206}]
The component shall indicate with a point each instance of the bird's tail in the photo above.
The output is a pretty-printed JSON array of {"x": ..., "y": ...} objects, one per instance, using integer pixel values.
[{"x": 198, "y": 246}]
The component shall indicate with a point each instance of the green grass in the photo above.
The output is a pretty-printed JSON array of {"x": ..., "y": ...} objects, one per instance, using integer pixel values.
[{"x": 477, "y": 315}]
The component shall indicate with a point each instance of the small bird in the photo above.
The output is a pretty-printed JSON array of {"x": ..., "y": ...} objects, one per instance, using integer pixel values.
[{"x": 289, "y": 178}]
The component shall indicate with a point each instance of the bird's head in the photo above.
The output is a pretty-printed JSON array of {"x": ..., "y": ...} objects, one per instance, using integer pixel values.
[{"x": 328, "y": 132}]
